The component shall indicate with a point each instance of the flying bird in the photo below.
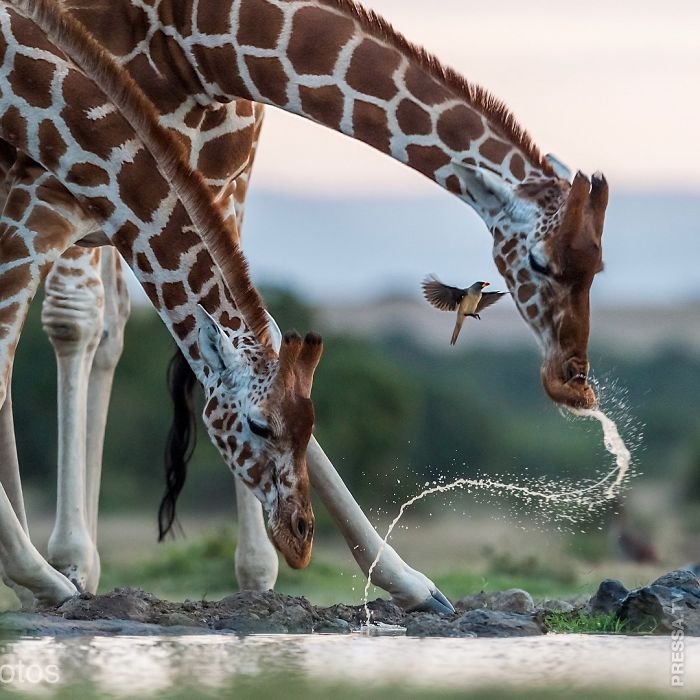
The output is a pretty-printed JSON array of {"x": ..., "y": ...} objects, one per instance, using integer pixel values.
[{"x": 467, "y": 302}]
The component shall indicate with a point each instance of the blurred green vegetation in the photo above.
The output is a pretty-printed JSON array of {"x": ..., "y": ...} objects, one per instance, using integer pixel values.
[
  {"x": 201, "y": 568},
  {"x": 391, "y": 415}
]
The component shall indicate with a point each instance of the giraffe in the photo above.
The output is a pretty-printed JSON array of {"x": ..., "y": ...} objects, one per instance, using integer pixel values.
[
  {"x": 82, "y": 312},
  {"x": 334, "y": 63},
  {"x": 258, "y": 408}
]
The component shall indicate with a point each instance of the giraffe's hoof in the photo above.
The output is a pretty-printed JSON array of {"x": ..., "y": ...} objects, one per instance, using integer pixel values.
[{"x": 436, "y": 602}]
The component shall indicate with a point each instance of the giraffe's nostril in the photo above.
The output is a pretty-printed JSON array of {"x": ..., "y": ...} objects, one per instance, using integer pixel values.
[
  {"x": 302, "y": 527},
  {"x": 576, "y": 370}
]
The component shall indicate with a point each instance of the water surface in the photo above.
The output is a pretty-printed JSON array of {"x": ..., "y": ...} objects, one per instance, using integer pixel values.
[{"x": 125, "y": 666}]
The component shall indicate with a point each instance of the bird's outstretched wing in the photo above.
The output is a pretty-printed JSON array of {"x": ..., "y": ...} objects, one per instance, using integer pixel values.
[
  {"x": 489, "y": 298},
  {"x": 440, "y": 295}
]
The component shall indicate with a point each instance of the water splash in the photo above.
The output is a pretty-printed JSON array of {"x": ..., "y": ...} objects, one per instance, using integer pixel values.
[
  {"x": 564, "y": 500},
  {"x": 614, "y": 444}
]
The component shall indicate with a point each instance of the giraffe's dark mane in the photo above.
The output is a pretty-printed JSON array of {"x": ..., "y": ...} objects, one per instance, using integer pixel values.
[
  {"x": 495, "y": 110},
  {"x": 74, "y": 40}
]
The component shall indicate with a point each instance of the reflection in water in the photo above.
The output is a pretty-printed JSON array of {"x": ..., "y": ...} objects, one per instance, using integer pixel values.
[{"x": 124, "y": 665}]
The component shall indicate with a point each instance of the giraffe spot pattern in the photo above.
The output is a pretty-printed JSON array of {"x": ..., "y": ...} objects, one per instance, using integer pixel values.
[
  {"x": 259, "y": 24},
  {"x": 223, "y": 156},
  {"x": 316, "y": 40},
  {"x": 424, "y": 88},
  {"x": 459, "y": 126},
  {"x": 269, "y": 77},
  {"x": 184, "y": 328},
  {"x": 371, "y": 125},
  {"x": 427, "y": 159},
  {"x": 174, "y": 294},
  {"x": 14, "y": 128},
  {"x": 141, "y": 195},
  {"x": 371, "y": 70},
  {"x": 413, "y": 119},
  {"x": 87, "y": 174},
  {"x": 15, "y": 280},
  {"x": 52, "y": 147},
  {"x": 494, "y": 150},
  {"x": 324, "y": 104},
  {"x": 526, "y": 292}
]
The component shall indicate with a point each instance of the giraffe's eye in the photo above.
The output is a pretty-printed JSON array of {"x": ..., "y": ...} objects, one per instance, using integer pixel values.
[
  {"x": 539, "y": 265},
  {"x": 260, "y": 429}
]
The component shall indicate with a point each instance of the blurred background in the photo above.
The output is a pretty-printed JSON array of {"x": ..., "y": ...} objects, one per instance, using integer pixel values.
[{"x": 339, "y": 239}]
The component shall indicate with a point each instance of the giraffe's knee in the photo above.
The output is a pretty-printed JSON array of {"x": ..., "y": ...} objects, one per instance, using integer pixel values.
[{"x": 73, "y": 310}]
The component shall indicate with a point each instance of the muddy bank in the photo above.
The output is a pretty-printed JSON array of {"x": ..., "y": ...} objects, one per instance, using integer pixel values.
[
  {"x": 670, "y": 602},
  {"x": 135, "y": 612}
]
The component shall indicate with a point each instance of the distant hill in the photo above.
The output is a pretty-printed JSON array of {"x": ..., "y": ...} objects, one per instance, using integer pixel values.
[
  {"x": 341, "y": 254},
  {"x": 356, "y": 249},
  {"x": 625, "y": 329}
]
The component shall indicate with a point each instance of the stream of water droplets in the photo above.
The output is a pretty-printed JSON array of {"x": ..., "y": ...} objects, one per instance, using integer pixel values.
[{"x": 561, "y": 500}]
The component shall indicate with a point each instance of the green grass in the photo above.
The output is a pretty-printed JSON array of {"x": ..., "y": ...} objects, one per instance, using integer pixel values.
[{"x": 578, "y": 623}]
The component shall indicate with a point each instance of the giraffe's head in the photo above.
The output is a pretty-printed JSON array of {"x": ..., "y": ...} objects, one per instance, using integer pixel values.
[
  {"x": 259, "y": 413},
  {"x": 547, "y": 245}
]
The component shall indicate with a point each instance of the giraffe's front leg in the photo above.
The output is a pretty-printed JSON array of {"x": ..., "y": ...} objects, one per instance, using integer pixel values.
[
  {"x": 256, "y": 559},
  {"x": 73, "y": 318}
]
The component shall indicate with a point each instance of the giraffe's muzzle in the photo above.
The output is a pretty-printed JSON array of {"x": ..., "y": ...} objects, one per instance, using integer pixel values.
[{"x": 566, "y": 382}]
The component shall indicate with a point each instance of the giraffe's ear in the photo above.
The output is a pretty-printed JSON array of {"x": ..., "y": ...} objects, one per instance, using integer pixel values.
[
  {"x": 215, "y": 346},
  {"x": 492, "y": 194}
]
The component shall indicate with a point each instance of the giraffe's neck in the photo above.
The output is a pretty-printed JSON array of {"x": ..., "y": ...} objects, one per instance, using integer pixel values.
[{"x": 331, "y": 62}]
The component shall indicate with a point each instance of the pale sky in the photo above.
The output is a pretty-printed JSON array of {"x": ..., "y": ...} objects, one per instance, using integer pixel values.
[{"x": 604, "y": 84}]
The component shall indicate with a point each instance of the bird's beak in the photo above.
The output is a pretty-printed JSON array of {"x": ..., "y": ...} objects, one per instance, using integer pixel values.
[{"x": 486, "y": 284}]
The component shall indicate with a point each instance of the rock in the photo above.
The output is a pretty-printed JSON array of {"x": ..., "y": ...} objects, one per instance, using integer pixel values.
[
  {"x": 514, "y": 600},
  {"x": 608, "y": 598},
  {"x": 474, "y": 623},
  {"x": 681, "y": 578},
  {"x": 561, "y": 606},
  {"x": 670, "y": 603},
  {"x": 333, "y": 626}
]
